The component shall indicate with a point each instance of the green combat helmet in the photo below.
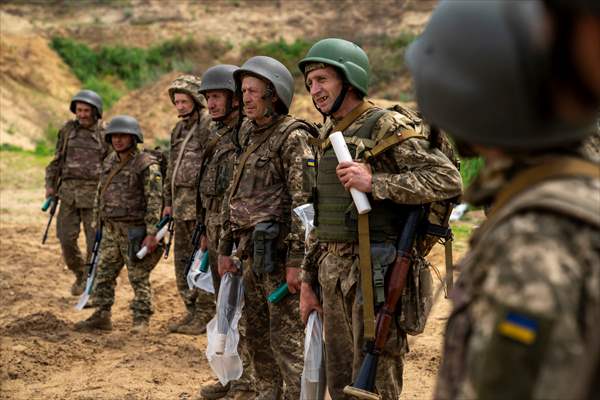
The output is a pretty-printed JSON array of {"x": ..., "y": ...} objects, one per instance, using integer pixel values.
[
  {"x": 190, "y": 85},
  {"x": 349, "y": 59},
  {"x": 124, "y": 124},
  {"x": 88, "y": 97},
  {"x": 272, "y": 71}
]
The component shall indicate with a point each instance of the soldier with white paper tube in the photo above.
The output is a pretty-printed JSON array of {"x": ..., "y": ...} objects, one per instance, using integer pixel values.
[
  {"x": 394, "y": 164},
  {"x": 128, "y": 204}
]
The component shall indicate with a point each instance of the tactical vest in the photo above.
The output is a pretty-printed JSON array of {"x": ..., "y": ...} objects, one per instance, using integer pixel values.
[
  {"x": 192, "y": 154},
  {"x": 123, "y": 199},
  {"x": 84, "y": 152}
]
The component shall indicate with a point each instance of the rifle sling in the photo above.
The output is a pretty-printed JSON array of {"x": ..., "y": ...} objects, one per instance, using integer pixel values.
[
  {"x": 180, "y": 157},
  {"x": 366, "y": 277}
]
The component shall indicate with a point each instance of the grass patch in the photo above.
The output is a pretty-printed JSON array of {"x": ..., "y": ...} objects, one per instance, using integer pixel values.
[
  {"x": 287, "y": 53},
  {"x": 469, "y": 168}
]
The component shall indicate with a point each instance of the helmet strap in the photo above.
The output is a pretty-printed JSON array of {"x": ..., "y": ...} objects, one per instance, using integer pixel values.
[
  {"x": 228, "y": 108},
  {"x": 338, "y": 101},
  {"x": 268, "y": 97}
]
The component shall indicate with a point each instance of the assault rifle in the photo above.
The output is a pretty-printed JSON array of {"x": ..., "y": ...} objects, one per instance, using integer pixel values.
[
  {"x": 170, "y": 240},
  {"x": 51, "y": 202},
  {"x": 364, "y": 385},
  {"x": 198, "y": 232},
  {"x": 91, "y": 272}
]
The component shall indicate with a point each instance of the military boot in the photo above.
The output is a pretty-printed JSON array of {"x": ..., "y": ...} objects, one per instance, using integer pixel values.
[
  {"x": 213, "y": 391},
  {"x": 100, "y": 319},
  {"x": 196, "y": 326},
  {"x": 240, "y": 391},
  {"x": 79, "y": 285},
  {"x": 140, "y": 325},
  {"x": 174, "y": 326}
]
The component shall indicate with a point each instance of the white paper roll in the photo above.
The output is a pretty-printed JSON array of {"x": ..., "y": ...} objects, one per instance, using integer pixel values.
[
  {"x": 343, "y": 154},
  {"x": 220, "y": 340},
  {"x": 159, "y": 235}
]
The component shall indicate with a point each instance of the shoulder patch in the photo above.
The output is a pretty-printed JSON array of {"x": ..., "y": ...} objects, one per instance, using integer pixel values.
[{"x": 518, "y": 327}]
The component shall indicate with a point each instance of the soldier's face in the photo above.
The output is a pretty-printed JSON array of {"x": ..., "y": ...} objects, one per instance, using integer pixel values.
[
  {"x": 85, "y": 114},
  {"x": 217, "y": 102},
  {"x": 255, "y": 101},
  {"x": 121, "y": 142},
  {"x": 183, "y": 103},
  {"x": 324, "y": 86}
]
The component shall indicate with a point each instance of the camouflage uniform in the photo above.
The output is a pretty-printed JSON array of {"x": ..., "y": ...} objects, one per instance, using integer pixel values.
[
  {"x": 408, "y": 173},
  {"x": 183, "y": 202},
  {"x": 529, "y": 291},
  {"x": 129, "y": 209},
  {"x": 79, "y": 178},
  {"x": 274, "y": 180}
]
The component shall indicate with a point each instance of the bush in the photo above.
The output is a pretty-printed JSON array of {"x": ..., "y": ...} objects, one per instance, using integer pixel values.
[
  {"x": 469, "y": 168},
  {"x": 288, "y": 53}
]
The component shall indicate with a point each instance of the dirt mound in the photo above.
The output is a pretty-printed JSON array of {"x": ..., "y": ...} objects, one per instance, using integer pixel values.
[
  {"x": 38, "y": 324},
  {"x": 35, "y": 84}
]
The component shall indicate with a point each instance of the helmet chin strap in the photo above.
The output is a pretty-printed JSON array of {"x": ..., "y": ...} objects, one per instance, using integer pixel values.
[
  {"x": 228, "y": 109},
  {"x": 337, "y": 103},
  {"x": 267, "y": 97},
  {"x": 184, "y": 116}
]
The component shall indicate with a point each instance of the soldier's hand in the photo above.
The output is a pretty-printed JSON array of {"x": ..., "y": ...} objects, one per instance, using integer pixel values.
[
  {"x": 49, "y": 192},
  {"x": 167, "y": 211},
  {"x": 355, "y": 175},
  {"x": 226, "y": 265},
  {"x": 308, "y": 302},
  {"x": 151, "y": 243},
  {"x": 203, "y": 242},
  {"x": 292, "y": 278}
]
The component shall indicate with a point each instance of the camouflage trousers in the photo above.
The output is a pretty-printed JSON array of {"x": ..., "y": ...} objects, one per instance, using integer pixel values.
[
  {"x": 213, "y": 232},
  {"x": 68, "y": 226},
  {"x": 196, "y": 301},
  {"x": 114, "y": 254},
  {"x": 343, "y": 330},
  {"x": 274, "y": 332}
]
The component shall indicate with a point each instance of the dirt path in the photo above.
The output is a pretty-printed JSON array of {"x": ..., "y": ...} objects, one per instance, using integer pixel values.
[{"x": 42, "y": 357}]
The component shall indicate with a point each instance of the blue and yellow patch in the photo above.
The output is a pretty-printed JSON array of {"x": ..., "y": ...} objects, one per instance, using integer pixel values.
[
  {"x": 311, "y": 162},
  {"x": 519, "y": 327}
]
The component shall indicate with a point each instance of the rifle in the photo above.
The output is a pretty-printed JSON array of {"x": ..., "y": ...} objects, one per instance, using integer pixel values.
[
  {"x": 170, "y": 229},
  {"x": 198, "y": 232},
  {"x": 91, "y": 272},
  {"x": 51, "y": 202},
  {"x": 364, "y": 385}
]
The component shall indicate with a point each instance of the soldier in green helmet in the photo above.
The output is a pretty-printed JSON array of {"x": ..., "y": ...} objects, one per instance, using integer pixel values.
[
  {"x": 395, "y": 165},
  {"x": 72, "y": 175}
]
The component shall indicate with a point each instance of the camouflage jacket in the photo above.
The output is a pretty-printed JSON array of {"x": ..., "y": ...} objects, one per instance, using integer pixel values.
[
  {"x": 408, "y": 173},
  {"x": 217, "y": 170},
  {"x": 529, "y": 290},
  {"x": 183, "y": 200},
  {"x": 79, "y": 167},
  {"x": 134, "y": 195},
  {"x": 274, "y": 180}
]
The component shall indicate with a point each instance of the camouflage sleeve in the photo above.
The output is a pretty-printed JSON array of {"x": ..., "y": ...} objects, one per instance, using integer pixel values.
[
  {"x": 52, "y": 171},
  {"x": 168, "y": 196},
  {"x": 226, "y": 236},
  {"x": 423, "y": 174},
  {"x": 153, "y": 192},
  {"x": 299, "y": 164},
  {"x": 533, "y": 307},
  {"x": 310, "y": 267}
]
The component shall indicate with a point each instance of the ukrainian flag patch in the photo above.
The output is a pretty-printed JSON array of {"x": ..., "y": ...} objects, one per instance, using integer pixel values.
[
  {"x": 519, "y": 327},
  {"x": 311, "y": 162}
]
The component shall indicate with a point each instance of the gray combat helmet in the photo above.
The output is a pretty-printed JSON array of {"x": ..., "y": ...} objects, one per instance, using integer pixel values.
[
  {"x": 88, "y": 97},
  {"x": 273, "y": 71},
  {"x": 219, "y": 77},
  {"x": 478, "y": 70},
  {"x": 124, "y": 124}
]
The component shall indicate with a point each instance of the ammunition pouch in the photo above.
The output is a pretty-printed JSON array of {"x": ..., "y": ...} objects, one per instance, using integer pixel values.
[
  {"x": 264, "y": 239},
  {"x": 417, "y": 298},
  {"x": 135, "y": 237},
  {"x": 382, "y": 256}
]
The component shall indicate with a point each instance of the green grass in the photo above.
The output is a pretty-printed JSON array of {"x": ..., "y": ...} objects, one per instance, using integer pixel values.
[
  {"x": 469, "y": 168},
  {"x": 288, "y": 53}
]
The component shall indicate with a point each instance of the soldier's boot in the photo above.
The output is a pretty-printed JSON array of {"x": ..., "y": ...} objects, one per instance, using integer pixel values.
[
  {"x": 196, "y": 326},
  {"x": 213, "y": 391},
  {"x": 79, "y": 285},
  {"x": 240, "y": 391},
  {"x": 99, "y": 320},
  {"x": 174, "y": 326},
  {"x": 140, "y": 325}
]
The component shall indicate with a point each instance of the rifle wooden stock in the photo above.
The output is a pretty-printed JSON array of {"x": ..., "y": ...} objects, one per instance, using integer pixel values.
[{"x": 364, "y": 385}]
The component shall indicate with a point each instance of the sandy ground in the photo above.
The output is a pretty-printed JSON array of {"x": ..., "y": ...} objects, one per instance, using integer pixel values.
[{"x": 42, "y": 357}]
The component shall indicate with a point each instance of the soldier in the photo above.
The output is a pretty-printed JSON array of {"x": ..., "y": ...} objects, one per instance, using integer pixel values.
[
  {"x": 188, "y": 139},
  {"x": 73, "y": 176},
  {"x": 403, "y": 168},
  {"x": 218, "y": 87},
  {"x": 528, "y": 298},
  {"x": 128, "y": 203},
  {"x": 272, "y": 176}
]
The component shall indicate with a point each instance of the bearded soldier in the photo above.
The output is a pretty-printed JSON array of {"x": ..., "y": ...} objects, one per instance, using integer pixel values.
[
  {"x": 72, "y": 175},
  {"x": 188, "y": 139},
  {"x": 272, "y": 176},
  {"x": 527, "y": 303},
  {"x": 395, "y": 165},
  {"x": 128, "y": 202}
]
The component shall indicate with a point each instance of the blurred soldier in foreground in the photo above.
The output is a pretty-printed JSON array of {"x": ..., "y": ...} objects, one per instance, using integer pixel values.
[
  {"x": 129, "y": 202},
  {"x": 396, "y": 165},
  {"x": 72, "y": 175},
  {"x": 188, "y": 139},
  {"x": 216, "y": 172},
  {"x": 272, "y": 176},
  {"x": 529, "y": 293}
]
